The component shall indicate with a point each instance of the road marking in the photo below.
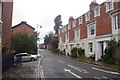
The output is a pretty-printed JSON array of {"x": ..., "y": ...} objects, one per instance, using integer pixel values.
[
  {"x": 42, "y": 73},
  {"x": 106, "y": 71},
  {"x": 60, "y": 61},
  {"x": 103, "y": 77},
  {"x": 67, "y": 70},
  {"x": 40, "y": 70},
  {"x": 78, "y": 69}
]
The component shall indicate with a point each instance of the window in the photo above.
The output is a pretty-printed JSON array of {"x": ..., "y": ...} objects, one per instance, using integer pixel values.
[
  {"x": 68, "y": 26},
  {"x": 60, "y": 39},
  {"x": 67, "y": 36},
  {"x": 77, "y": 33},
  {"x": 87, "y": 16},
  {"x": 97, "y": 11},
  {"x": 64, "y": 28},
  {"x": 90, "y": 47},
  {"x": 59, "y": 31},
  {"x": 116, "y": 21},
  {"x": 109, "y": 5},
  {"x": 92, "y": 29},
  {"x": 80, "y": 20},
  {"x": 71, "y": 46},
  {"x": 74, "y": 23}
]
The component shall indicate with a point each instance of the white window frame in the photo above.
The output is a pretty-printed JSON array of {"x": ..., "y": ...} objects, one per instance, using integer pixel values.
[
  {"x": 64, "y": 28},
  {"x": 93, "y": 24},
  {"x": 67, "y": 36},
  {"x": 74, "y": 23},
  {"x": 77, "y": 34},
  {"x": 97, "y": 11},
  {"x": 107, "y": 5},
  {"x": 80, "y": 20},
  {"x": 87, "y": 16},
  {"x": 59, "y": 31},
  {"x": 69, "y": 26},
  {"x": 115, "y": 22},
  {"x": 60, "y": 39}
]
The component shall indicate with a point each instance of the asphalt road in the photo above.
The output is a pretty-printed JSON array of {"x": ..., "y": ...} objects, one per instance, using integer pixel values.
[{"x": 56, "y": 66}]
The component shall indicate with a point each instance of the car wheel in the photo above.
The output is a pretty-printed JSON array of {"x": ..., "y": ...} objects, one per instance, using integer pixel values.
[{"x": 32, "y": 59}]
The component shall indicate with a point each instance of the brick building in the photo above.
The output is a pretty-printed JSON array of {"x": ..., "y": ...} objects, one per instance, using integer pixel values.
[
  {"x": 23, "y": 27},
  {"x": 92, "y": 30},
  {"x": 6, "y": 18}
]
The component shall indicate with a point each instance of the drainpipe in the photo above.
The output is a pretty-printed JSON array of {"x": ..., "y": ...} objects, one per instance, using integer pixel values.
[{"x": 1, "y": 37}]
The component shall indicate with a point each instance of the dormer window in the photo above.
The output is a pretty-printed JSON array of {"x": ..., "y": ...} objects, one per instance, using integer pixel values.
[
  {"x": 109, "y": 5},
  {"x": 80, "y": 20},
  {"x": 87, "y": 16},
  {"x": 97, "y": 11},
  {"x": 74, "y": 23}
]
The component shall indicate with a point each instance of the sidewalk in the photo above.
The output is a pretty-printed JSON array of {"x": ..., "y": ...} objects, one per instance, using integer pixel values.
[{"x": 25, "y": 70}]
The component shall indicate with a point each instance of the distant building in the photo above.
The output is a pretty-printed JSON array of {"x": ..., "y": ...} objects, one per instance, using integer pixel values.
[
  {"x": 92, "y": 30},
  {"x": 23, "y": 27}
]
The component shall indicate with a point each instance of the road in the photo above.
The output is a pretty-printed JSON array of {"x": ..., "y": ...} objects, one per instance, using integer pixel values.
[{"x": 56, "y": 66}]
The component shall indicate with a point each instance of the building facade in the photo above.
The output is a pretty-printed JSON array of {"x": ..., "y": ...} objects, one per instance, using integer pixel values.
[
  {"x": 92, "y": 30},
  {"x": 6, "y": 18},
  {"x": 23, "y": 27}
]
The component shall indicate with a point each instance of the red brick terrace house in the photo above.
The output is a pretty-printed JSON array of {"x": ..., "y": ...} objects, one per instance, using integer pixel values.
[
  {"x": 93, "y": 29},
  {"x": 23, "y": 27}
]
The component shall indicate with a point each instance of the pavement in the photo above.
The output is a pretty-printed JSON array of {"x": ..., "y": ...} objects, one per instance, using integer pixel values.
[{"x": 25, "y": 70}]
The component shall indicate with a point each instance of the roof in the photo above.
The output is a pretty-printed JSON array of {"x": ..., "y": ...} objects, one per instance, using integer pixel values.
[{"x": 23, "y": 22}]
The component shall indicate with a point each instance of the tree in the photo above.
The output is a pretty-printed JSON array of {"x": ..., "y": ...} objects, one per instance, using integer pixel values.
[
  {"x": 58, "y": 23},
  {"x": 48, "y": 38},
  {"x": 21, "y": 42}
]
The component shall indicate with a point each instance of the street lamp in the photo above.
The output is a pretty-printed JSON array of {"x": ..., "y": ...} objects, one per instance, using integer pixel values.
[{"x": 38, "y": 26}]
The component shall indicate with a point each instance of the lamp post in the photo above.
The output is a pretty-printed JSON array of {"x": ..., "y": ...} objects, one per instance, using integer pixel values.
[{"x": 38, "y": 26}]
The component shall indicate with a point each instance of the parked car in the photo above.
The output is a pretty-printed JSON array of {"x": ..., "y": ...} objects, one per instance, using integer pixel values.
[{"x": 20, "y": 57}]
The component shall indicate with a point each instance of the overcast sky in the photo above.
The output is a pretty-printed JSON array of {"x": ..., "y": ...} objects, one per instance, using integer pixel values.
[{"x": 43, "y": 12}]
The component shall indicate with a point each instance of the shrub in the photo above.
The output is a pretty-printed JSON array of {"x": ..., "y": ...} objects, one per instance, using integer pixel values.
[
  {"x": 74, "y": 52},
  {"x": 112, "y": 52},
  {"x": 81, "y": 51},
  {"x": 92, "y": 57}
]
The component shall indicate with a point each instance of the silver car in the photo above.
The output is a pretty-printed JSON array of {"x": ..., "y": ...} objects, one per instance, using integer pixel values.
[{"x": 25, "y": 57}]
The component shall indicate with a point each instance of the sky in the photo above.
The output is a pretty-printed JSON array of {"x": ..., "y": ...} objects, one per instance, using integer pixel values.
[{"x": 43, "y": 12}]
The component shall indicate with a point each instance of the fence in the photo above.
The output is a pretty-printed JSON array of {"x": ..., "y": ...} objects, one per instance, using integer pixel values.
[{"x": 7, "y": 62}]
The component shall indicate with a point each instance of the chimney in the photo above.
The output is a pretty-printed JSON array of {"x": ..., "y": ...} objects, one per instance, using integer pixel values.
[
  {"x": 93, "y": 4},
  {"x": 71, "y": 19},
  {"x": 24, "y": 22}
]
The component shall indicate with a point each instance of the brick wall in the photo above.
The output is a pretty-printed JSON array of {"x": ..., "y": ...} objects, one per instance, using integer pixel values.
[{"x": 7, "y": 8}]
